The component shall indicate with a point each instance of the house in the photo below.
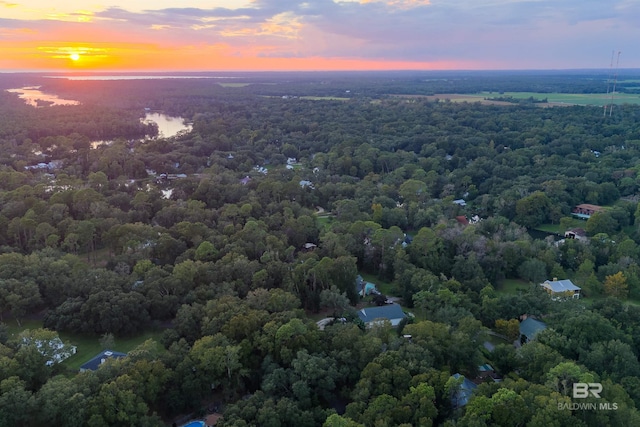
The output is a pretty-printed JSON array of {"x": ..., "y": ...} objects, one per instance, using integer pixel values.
[
  {"x": 407, "y": 240},
  {"x": 309, "y": 246},
  {"x": 245, "y": 180},
  {"x": 261, "y": 169},
  {"x": 391, "y": 312},
  {"x": 529, "y": 328},
  {"x": 561, "y": 288},
  {"x": 305, "y": 183},
  {"x": 94, "y": 364},
  {"x": 585, "y": 210},
  {"x": 576, "y": 233},
  {"x": 486, "y": 371},
  {"x": 365, "y": 288},
  {"x": 461, "y": 396},
  {"x": 460, "y": 202}
]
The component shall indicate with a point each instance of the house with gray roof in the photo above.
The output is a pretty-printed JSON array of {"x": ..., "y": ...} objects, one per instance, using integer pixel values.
[
  {"x": 529, "y": 328},
  {"x": 391, "y": 312},
  {"x": 561, "y": 288},
  {"x": 94, "y": 364}
]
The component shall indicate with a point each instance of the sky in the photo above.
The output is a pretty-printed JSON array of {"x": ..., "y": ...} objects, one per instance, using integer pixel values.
[{"x": 313, "y": 35}]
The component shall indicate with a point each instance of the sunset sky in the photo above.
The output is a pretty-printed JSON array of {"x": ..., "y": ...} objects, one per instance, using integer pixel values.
[{"x": 198, "y": 35}]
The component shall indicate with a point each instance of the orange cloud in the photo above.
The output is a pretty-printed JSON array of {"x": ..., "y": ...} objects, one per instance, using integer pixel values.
[{"x": 214, "y": 57}]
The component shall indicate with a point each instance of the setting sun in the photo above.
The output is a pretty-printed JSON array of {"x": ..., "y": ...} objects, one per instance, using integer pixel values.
[{"x": 74, "y": 56}]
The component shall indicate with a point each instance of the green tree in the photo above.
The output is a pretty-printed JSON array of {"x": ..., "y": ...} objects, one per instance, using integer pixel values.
[
  {"x": 17, "y": 405},
  {"x": 533, "y": 210},
  {"x": 601, "y": 222},
  {"x": 18, "y": 297}
]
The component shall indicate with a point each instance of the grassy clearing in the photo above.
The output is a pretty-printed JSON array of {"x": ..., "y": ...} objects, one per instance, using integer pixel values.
[
  {"x": 324, "y": 98},
  {"x": 87, "y": 345},
  {"x": 558, "y": 229},
  {"x": 549, "y": 228},
  {"x": 384, "y": 287},
  {"x": 598, "y": 99},
  {"x": 512, "y": 286},
  {"x": 324, "y": 221}
]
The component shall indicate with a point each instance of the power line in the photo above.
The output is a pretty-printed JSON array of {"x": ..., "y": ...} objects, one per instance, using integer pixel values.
[{"x": 615, "y": 80}]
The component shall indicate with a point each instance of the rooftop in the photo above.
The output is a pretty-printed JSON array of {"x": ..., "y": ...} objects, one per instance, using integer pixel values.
[
  {"x": 530, "y": 327},
  {"x": 390, "y": 311},
  {"x": 94, "y": 364},
  {"x": 560, "y": 286},
  {"x": 462, "y": 396}
]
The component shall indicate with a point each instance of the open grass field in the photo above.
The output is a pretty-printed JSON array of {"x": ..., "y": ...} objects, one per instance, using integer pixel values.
[
  {"x": 554, "y": 99},
  {"x": 324, "y": 98},
  {"x": 551, "y": 228},
  {"x": 512, "y": 286},
  {"x": 87, "y": 345},
  {"x": 386, "y": 288},
  {"x": 598, "y": 99},
  {"x": 324, "y": 221}
]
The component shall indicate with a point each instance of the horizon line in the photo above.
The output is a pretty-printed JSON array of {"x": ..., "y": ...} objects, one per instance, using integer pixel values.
[{"x": 406, "y": 70}]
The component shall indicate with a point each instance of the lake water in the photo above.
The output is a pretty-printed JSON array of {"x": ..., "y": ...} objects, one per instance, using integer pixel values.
[
  {"x": 167, "y": 126},
  {"x": 31, "y": 95}
]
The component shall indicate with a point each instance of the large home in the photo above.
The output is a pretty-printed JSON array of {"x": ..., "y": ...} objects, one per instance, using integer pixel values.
[
  {"x": 585, "y": 210},
  {"x": 391, "y": 312},
  {"x": 561, "y": 288},
  {"x": 94, "y": 364},
  {"x": 529, "y": 328}
]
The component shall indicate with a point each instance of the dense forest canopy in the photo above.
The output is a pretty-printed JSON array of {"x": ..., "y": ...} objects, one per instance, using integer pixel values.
[{"x": 232, "y": 239}]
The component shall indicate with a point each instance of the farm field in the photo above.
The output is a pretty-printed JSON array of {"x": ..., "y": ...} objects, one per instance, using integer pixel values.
[
  {"x": 554, "y": 99},
  {"x": 324, "y": 98},
  {"x": 598, "y": 99}
]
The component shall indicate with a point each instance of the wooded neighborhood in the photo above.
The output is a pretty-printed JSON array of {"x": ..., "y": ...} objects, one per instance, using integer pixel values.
[{"x": 190, "y": 272}]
